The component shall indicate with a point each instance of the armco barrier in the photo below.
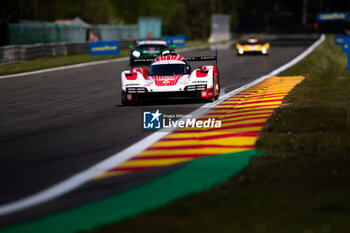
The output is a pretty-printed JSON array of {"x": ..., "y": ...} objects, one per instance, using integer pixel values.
[
  {"x": 13, "y": 53},
  {"x": 31, "y": 32}
]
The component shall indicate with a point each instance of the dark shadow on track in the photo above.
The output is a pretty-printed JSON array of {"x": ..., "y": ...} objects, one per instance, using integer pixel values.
[{"x": 166, "y": 101}]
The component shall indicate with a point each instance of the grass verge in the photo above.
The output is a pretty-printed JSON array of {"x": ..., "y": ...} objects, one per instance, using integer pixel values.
[
  {"x": 45, "y": 63},
  {"x": 300, "y": 185}
]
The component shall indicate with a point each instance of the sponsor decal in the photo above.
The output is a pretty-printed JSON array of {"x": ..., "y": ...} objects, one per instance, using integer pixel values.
[
  {"x": 166, "y": 82},
  {"x": 252, "y": 48},
  {"x": 129, "y": 97},
  {"x": 104, "y": 48},
  {"x": 333, "y": 16},
  {"x": 179, "y": 40},
  {"x": 132, "y": 84},
  {"x": 151, "y": 52}
]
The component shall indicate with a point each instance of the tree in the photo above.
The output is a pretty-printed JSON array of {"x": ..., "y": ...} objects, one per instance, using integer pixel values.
[{"x": 189, "y": 17}]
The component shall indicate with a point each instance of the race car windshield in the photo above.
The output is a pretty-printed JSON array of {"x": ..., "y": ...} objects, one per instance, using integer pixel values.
[
  {"x": 151, "y": 46},
  {"x": 168, "y": 69}
]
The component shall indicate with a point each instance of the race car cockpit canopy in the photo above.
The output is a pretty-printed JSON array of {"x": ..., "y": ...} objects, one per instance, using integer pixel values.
[{"x": 169, "y": 69}]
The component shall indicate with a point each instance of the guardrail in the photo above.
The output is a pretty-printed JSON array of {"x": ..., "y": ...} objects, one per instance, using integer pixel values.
[{"x": 14, "y": 53}]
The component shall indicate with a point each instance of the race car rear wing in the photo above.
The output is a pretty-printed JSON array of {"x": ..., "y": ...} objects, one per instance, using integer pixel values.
[
  {"x": 205, "y": 58},
  {"x": 190, "y": 59},
  {"x": 144, "y": 60}
]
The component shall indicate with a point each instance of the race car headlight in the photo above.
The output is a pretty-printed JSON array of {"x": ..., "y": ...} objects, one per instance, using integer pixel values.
[
  {"x": 165, "y": 52},
  {"x": 196, "y": 87},
  {"x": 136, "y": 90},
  {"x": 264, "y": 50},
  {"x": 241, "y": 51},
  {"x": 136, "y": 53}
]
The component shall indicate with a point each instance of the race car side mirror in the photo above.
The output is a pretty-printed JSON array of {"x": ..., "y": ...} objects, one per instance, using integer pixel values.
[{"x": 166, "y": 52}]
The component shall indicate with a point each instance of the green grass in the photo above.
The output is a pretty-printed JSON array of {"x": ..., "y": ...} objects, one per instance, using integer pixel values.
[
  {"x": 301, "y": 185},
  {"x": 45, "y": 63}
]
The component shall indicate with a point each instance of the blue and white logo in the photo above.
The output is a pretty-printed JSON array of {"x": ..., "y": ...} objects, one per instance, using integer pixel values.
[
  {"x": 152, "y": 120},
  {"x": 333, "y": 16}
]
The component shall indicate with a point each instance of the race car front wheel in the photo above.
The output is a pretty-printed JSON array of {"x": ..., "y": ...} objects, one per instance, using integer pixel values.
[
  {"x": 128, "y": 98},
  {"x": 132, "y": 62}
]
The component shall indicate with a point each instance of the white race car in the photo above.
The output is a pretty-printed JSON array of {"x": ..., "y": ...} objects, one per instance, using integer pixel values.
[{"x": 170, "y": 75}]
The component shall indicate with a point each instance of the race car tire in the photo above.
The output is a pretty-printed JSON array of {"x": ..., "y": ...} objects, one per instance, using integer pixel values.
[
  {"x": 218, "y": 94},
  {"x": 132, "y": 62},
  {"x": 212, "y": 99},
  {"x": 126, "y": 102}
]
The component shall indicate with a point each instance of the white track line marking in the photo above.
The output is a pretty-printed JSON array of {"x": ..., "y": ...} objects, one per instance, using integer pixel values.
[
  {"x": 118, "y": 158},
  {"x": 65, "y": 67}
]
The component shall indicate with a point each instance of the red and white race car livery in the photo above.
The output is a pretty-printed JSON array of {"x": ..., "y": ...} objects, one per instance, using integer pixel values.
[{"x": 170, "y": 75}]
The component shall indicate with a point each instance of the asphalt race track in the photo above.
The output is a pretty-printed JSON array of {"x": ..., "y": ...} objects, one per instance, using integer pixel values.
[{"x": 56, "y": 124}]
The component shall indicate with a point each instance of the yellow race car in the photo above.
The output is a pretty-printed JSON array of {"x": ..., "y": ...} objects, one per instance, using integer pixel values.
[{"x": 253, "y": 46}]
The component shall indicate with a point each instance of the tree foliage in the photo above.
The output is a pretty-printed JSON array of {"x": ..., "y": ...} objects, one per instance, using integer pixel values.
[
  {"x": 190, "y": 17},
  {"x": 94, "y": 11}
]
